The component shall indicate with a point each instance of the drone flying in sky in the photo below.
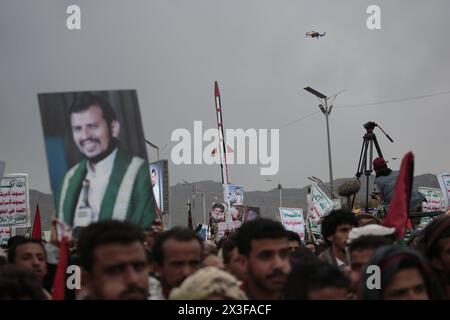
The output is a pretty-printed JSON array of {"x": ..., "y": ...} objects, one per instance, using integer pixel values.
[{"x": 314, "y": 34}]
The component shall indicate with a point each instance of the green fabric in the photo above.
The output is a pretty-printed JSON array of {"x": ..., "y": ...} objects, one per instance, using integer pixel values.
[{"x": 141, "y": 208}]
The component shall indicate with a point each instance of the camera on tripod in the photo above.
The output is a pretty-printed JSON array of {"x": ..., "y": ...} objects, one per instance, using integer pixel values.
[
  {"x": 366, "y": 156},
  {"x": 369, "y": 126}
]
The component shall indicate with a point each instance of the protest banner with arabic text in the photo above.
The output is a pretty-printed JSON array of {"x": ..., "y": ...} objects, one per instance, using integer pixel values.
[
  {"x": 319, "y": 205},
  {"x": 292, "y": 219},
  {"x": 14, "y": 201},
  {"x": 434, "y": 199},
  {"x": 444, "y": 183}
]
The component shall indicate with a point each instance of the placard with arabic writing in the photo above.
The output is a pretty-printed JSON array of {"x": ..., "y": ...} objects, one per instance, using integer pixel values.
[
  {"x": 434, "y": 199},
  {"x": 319, "y": 205},
  {"x": 14, "y": 201},
  {"x": 292, "y": 219}
]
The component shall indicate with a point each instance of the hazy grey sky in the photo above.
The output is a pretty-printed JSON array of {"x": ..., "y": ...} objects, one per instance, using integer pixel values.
[{"x": 172, "y": 51}]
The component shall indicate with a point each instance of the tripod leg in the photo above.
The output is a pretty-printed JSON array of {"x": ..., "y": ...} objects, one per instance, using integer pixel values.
[
  {"x": 368, "y": 172},
  {"x": 359, "y": 169},
  {"x": 361, "y": 164}
]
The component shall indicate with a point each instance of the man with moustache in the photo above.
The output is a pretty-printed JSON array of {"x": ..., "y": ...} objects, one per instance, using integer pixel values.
[
  {"x": 114, "y": 261},
  {"x": 264, "y": 245},
  {"x": 29, "y": 254},
  {"x": 108, "y": 183},
  {"x": 178, "y": 254}
]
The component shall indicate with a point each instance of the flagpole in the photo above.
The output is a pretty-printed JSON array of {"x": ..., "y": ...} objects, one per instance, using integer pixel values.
[
  {"x": 217, "y": 102},
  {"x": 221, "y": 131}
]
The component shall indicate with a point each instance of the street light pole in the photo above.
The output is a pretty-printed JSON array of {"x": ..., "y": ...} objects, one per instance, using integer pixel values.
[
  {"x": 327, "y": 113},
  {"x": 326, "y": 110}
]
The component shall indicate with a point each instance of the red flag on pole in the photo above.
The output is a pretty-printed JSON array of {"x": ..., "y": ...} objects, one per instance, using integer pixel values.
[
  {"x": 397, "y": 215},
  {"x": 37, "y": 230},
  {"x": 59, "y": 282}
]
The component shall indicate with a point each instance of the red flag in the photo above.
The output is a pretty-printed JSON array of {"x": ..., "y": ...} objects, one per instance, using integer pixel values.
[
  {"x": 37, "y": 230},
  {"x": 59, "y": 282},
  {"x": 397, "y": 215}
]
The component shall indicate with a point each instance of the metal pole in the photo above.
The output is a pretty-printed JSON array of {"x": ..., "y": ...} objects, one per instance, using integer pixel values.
[
  {"x": 280, "y": 199},
  {"x": 279, "y": 188},
  {"x": 329, "y": 146},
  {"x": 204, "y": 209}
]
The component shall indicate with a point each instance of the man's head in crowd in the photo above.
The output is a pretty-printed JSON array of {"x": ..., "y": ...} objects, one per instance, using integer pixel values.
[
  {"x": 435, "y": 245},
  {"x": 18, "y": 283},
  {"x": 294, "y": 240},
  {"x": 232, "y": 260},
  {"x": 178, "y": 254},
  {"x": 114, "y": 260},
  {"x": 336, "y": 227},
  {"x": 316, "y": 280},
  {"x": 403, "y": 275},
  {"x": 95, "y": 128},
  {"x": 360, "y": 251},
  {"x": 264, "y": 245},
  {"x": 29, "y": 254}
]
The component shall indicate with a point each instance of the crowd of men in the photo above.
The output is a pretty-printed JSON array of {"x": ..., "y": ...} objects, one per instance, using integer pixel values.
[{"x": 261, "y": 260}]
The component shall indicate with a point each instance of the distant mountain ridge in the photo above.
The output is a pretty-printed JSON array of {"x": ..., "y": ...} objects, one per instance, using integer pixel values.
[{"x": 268, "y": 201}]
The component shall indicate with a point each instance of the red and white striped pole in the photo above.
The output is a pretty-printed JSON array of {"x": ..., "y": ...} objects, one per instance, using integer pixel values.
[{"x": 222, "y": 147}]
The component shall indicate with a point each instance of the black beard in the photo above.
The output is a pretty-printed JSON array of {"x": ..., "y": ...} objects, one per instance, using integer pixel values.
[{"x": 112, "y": 145}]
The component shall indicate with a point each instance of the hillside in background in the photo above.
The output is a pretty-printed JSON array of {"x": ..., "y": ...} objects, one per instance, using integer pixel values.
[{"x": 268, "y": 201}]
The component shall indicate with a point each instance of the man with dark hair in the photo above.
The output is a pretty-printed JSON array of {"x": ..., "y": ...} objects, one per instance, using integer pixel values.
[
  {"x": 335, "y": 229},
  {"x": 232, "y": 260},
  {"x": 264, "y": 245},
  {"x": 29, "y": 254},
  {"x": 108, "y": 183},
  {"x": 435, "y": 245},
  {"x": 294, "y": 240},
  {"x": 315, "y": 280},
  {"x": 178, "y": 254},
  {"x": 403, "y": 275},
  {"x": 360, "y": 251},
  {"x": 114, "y": 261}
]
